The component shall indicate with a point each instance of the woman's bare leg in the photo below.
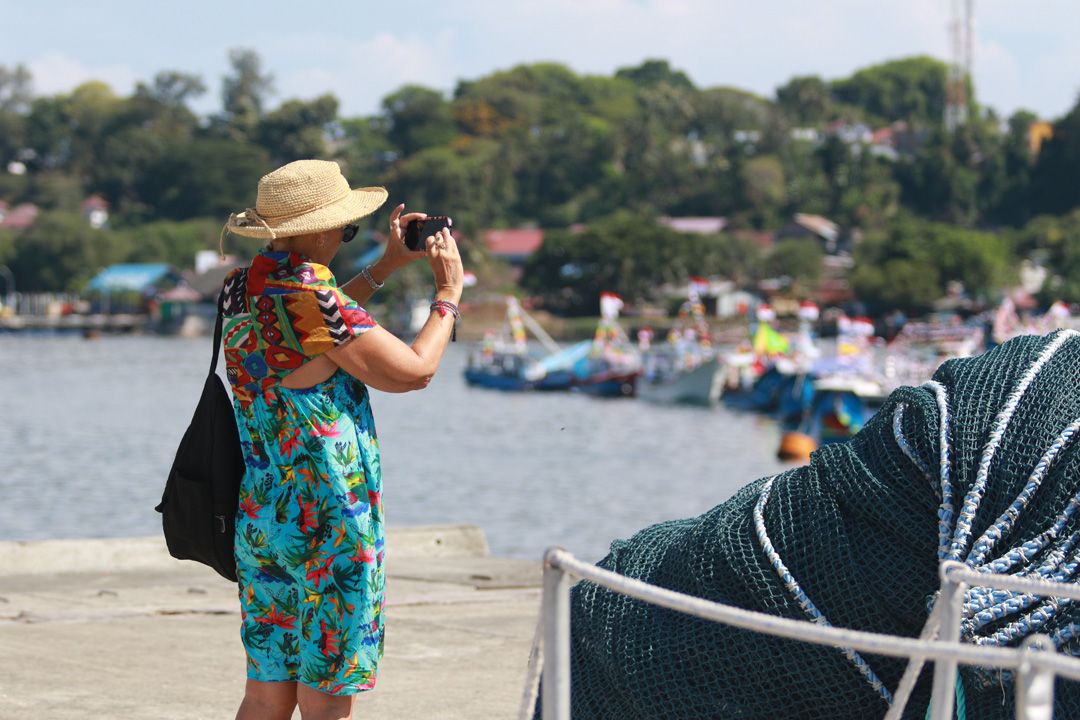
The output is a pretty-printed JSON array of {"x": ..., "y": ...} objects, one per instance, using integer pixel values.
[
  {"x": 267, "y": 701},
  {"x": 315, "y": 705}
]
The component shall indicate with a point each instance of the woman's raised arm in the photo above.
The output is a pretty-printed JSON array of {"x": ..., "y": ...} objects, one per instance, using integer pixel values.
[{"x": 382, "y": 361}]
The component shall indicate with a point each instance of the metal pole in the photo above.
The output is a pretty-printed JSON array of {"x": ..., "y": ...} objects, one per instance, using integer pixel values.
[
  {"x": 10, "y": 278},
  {"x": 942, "y": 699},
  {"x": 556, "y": 612},
  {"x": 1034, "y": 685}
]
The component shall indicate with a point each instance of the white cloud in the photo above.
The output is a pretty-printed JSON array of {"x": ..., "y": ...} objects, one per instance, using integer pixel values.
[
  {"x": 753, "y": 45},
  {"x": 361, "y": 73},
  {"x": 56, "y": 72}
]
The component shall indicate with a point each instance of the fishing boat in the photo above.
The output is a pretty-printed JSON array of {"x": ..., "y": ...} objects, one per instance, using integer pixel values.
[
  {"x": 700, "y": 385},
  {"x": 837, "y": 407},
  {"x": 612, "y": 366},
  {"x": 835, "y": 397},
  {"x": 772, "y": 370},
  {"x": 686, "y": 368},
  {"x": 504, "y": 360}
]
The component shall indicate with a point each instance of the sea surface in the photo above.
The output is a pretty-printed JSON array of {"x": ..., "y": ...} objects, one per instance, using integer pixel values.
[{"x": 88, "y": 430}]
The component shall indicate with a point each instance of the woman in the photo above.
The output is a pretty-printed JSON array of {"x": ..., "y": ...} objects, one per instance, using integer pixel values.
[{"x": 300, "y": 353}]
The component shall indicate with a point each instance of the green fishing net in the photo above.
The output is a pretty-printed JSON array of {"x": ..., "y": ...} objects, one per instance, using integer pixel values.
[{"x": 854, "y": 539}]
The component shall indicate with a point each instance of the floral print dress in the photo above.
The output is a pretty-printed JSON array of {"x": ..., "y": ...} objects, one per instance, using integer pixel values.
[{"x": 309, "y": 530}]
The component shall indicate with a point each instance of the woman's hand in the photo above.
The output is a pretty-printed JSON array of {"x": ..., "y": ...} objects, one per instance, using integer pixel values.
[
  {"x": 445, "y": 261},
  {"x": 397, "y": 255}
]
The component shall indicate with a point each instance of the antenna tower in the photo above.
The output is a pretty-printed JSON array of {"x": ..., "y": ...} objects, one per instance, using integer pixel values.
[{"x": 961, "y": 41}]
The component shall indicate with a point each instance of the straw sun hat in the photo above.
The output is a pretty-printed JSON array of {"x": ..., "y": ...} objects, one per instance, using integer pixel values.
[{"x": 305, "y": 196}]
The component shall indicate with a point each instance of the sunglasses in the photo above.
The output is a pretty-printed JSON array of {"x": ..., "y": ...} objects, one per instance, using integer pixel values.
[{"x": 349, "y": 232}]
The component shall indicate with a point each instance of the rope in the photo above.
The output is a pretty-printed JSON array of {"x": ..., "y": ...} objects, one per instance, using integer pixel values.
[
  {"x": 902, "y": 441},
  {"x": 1030, "y": 549},
  {"x": 961, "y": 699},
  {"x": 983, "y": 605},
  {"x": 945, "y": 510},
  {"x": 802, "y": 598},
  {"x": 973, "y": 499},
  {"x": 1003, "y": 526}
]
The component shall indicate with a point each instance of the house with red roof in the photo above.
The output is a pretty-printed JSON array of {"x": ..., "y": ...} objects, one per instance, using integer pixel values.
[
  {"x": 19, "y": 217},
  {"x": 513, "y": 245}
]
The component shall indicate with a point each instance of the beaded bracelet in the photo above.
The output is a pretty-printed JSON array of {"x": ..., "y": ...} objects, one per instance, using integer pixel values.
[{"x": 443, "y": 307}]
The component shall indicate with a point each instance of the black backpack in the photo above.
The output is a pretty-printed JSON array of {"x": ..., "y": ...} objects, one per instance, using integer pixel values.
[{"x": 198, "y": 507}]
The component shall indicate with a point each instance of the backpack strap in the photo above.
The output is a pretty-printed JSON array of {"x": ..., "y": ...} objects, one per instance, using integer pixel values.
[{"x": 217, "y": 331}]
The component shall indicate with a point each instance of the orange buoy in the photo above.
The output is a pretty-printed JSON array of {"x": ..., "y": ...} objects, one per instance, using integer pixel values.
[{"x": 796, "y": 446}]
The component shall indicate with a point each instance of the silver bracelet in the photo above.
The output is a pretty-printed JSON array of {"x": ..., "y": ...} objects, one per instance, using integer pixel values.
[{"x": 366, "y": 274}]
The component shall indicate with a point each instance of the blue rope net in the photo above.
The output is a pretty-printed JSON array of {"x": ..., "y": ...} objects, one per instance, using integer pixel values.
[{"x": 979, "y": 465}]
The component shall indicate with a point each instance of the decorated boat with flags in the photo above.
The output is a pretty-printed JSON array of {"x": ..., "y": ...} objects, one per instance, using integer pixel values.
[
  {"x": 504, "y": 360},
  {"x": 612, "y": 366},
  {"x": 837, "y": 395},
  {"x": 767, "y": 371},
  {"x": 685, "y": 368}
]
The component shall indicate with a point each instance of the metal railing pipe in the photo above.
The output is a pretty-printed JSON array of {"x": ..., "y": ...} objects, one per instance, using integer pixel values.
[
  {"x": 1045, "y": 588},
  {"x": 951, "y": 598},
  {"x": 803, "y": 630},
  {"x": 1034, "y": 685},
  {"x": 556, "y": 610}
]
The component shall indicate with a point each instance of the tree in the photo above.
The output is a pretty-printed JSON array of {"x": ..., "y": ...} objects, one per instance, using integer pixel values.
[
  {"x": 911, "y": 89},
  {"x": 1013, "y": 204},
  {"x": 1055, "y": 182},
  {"x": 419, "y": 119},
  {"x": 172, "y": 242},
  {"x": 244, "y": 90},
  {"x": 467, "y": 182},
  {"x": 1054, "y": 243},
  {"x": 938, "y": 184},
  {"x": 655, "y": 72},
  {"x": 15, "y": 98},
  {"x": 172, "y": 89},
  {"x": 15, "y": 89},
  {"x": 720, "y": 112},
  {"x": 910, "y": 264},
  {"x": 806, "y": 100},
  {"x": 561, "y": 136},
  {"x": 136, "y": 135},
  {"x": 12, "y": 135},
  {"x": 625, "y": 252},
  {"x": 798, "y": 259},
  {"x": 298, "y": 128},
  {"x": 658, "y": 154},
  {"x": 762, "y": 180},
  {"x": 62, "y": 252},
  {"x": 204, "y": 177},
  {"x": 365, "y": 149}
]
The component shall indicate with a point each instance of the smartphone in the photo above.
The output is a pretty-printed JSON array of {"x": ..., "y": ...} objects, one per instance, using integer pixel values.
[{"x": 419, "y": 230}]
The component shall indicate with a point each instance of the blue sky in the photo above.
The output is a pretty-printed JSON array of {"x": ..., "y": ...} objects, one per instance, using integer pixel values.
[{"x": 1026, "y": 54}]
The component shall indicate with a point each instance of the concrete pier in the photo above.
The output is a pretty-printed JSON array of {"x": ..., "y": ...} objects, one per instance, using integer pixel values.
[{"x": 118, "y": 629}]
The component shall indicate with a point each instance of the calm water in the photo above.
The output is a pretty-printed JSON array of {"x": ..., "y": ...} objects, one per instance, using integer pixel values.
[{"x": 88, "y": 430}]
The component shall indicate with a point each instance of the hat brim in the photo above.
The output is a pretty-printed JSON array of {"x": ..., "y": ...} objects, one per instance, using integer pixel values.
[{"x": 359, "y": 203}]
